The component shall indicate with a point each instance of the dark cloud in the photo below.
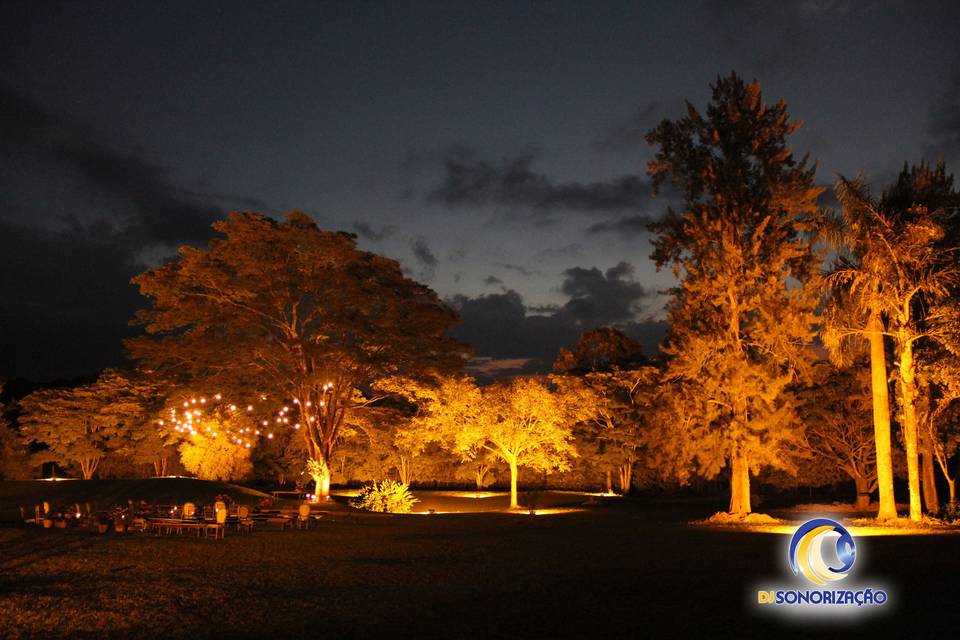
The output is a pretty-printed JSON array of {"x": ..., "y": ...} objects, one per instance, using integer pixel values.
[
  {"x": 422, "y": 252},
  {"x": 627, "y": 226},
  {"x": 598, "y": 298},
  {"x": 501, "y": 325},
  {"x": 573, "y": 250},
  {"x": 368, "y": 232},
  {"x": 628, "y": 134},
  {"x": 944, "y": 124},
  {"x": 526, "y": 272},
  {"x": 67, "y": 301},
  {"x": 66, "y": 292},
  {"x": 425, "y": 256},
  {"x": 472, "y": 181},
  {"x": 162, "y": 212},
  {"x": 492, "y": 280}
]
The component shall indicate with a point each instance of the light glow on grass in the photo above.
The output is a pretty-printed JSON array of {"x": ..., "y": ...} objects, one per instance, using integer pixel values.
[{"x": 469, "y": 494}]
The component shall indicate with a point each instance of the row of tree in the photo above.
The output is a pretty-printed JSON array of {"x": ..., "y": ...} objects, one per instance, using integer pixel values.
[{"x": 332, "y": 355}]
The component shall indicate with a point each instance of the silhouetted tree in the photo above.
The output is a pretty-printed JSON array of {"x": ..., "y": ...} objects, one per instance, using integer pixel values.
[
  {"x": 600, "y": 349},
  {"x": 837, "y": 414}
]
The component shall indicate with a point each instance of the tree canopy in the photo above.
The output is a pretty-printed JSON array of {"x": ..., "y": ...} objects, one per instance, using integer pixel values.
[
  {"x": 302, "y": 312},
  {"x": 742, "y": 317}
]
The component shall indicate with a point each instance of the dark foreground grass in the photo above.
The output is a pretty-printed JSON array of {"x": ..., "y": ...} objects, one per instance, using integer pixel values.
[{"x": 629, "y": 570}]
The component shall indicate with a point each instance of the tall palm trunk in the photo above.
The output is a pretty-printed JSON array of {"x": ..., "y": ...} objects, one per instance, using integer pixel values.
[
  {"x": 908, "y": 393},
  {"x": 881, "y": 417}
]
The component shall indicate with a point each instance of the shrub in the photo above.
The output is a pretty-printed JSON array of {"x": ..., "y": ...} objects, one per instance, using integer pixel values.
[{"x": 387, "y": 497}]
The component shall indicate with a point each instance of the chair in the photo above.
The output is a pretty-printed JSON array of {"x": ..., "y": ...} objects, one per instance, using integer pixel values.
[
  {"x": 219, "y": 527},
  {"x": 244, "y": 521},
  {"x": 303, "y": 517},
  {"x": 24, "y": 515}
]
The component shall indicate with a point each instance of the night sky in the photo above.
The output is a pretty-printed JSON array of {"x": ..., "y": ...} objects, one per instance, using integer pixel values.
[{"x": 495, "y": 149}]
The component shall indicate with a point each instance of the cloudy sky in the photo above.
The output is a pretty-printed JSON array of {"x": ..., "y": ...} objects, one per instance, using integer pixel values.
[{"x": 495, "y": 149}]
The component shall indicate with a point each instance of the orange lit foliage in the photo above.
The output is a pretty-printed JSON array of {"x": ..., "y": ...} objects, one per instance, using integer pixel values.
[
  {"x": 216, "y": 437},
  {"x": 217, "y": 458},
  {"x": 14, "y": 459},
  {"x": 742, "y": 316},
  {"x": 83, "y": 425},
  {"x": 301, "y": 310},
  {"x": 524, "y": 424}
]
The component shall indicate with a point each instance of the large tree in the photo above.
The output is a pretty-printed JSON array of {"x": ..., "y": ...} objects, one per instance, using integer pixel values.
[
  {"x": 742, "y": 316},
  {"x": 300, "y": 311}
]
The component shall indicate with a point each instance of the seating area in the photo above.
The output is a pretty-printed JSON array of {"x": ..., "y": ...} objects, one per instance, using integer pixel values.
[{"x": 207, "y": 521}]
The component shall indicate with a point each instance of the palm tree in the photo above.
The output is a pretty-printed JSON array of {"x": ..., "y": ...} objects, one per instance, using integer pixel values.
[{"x": 889, "y": 272}]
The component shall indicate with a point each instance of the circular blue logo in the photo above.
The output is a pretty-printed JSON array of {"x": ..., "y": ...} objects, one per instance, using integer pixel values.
[{"x": 806, "y": 554}]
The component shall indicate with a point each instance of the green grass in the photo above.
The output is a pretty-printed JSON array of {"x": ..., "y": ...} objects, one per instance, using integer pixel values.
[{"x": 626, "y": 569}]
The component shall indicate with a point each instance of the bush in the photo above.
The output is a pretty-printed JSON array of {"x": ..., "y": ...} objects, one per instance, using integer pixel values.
[{"x": 387, "y": 497}]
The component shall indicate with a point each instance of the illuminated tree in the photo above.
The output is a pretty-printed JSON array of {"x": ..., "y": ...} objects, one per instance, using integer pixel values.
[
  {"x": 893, "y": 274},
  {"x": 82, "y": 425},
  {"x": 837, "y": 413},
  {"x": 302, "y": 310},
  {"x": 742, "y": 317},
  {"x": 214, "y": 458},
  {"x": 216, "y": 437},
  {"x": 521, "y": 422},
  {"x": 14, "y": 459}
]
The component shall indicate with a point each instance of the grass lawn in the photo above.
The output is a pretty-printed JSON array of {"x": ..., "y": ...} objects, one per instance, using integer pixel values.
[{"x": 624, "y": 569}]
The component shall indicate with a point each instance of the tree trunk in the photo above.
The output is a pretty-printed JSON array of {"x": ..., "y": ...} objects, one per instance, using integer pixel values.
[
  {"x": 514, "y": 504},
  {"x": 160, "y": 466},
  {"x": 404, "y": 470},
  {"x": 482, "y": 470},
  {"x": 863, "y": 493},
  {"x": 881, "y": 418},
  {"x": 626, "y": 477},
  {"x": 928, "y": 479},
  {"x": 739, "y": 485},
  {"x": 320, "y": 472},
  {"x": 952, "y": 485},
  {"x": 609, "y": 481},
  {"x": 908, "y": 393},
  {"x": 322, "y": 483}
]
